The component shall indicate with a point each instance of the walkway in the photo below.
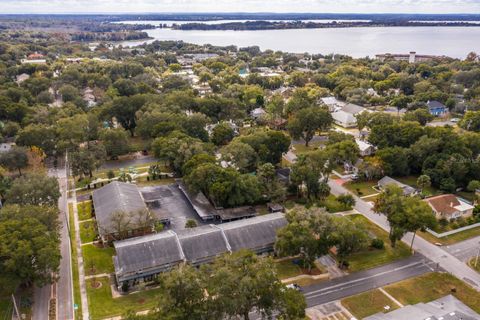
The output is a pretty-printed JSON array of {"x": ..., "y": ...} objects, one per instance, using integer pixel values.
[
  {"x": 81, "y": 269},
  {"x": 436, "y": 254}
]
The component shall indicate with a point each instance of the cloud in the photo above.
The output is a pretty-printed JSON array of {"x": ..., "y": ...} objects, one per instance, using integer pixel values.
[{"x": 321, "y": 6}]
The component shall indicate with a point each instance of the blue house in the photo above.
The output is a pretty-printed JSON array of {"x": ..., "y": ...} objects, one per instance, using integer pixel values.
[{"x": 436, "y": 108}]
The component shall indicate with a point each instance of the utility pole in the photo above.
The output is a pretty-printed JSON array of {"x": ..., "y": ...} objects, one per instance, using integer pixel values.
[{"x": 15, "y": 307}]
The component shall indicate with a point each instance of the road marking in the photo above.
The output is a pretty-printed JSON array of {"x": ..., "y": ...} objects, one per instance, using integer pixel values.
[{"x": 312, "y": 293}]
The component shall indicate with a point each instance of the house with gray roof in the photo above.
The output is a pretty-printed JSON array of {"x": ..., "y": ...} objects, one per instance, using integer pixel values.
[
  {"x": 446, "y": 308},
  {"x": 141, "y": 259},
  {"x": 120, "y": 211},
  {"x": 386, "y": 181}
]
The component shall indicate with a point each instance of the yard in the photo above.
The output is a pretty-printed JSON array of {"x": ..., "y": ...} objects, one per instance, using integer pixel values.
[
  {"x": 88, "y": 231},
  {"x": 84, "y": 210},
  {"x": 300, "y": 148},
  {"x": 370, "y": 257},
  {"x": 97, "y": 260},
  {"x": 474, "y": 264},
  {"x": 454, "y": 238},
  {"x": 333, "y": 205},
  {"x": 368, "y": 303},
  {"x": 432, "y": 286},
  {"x": 102, "y": 304},
  {"x": 361, "y": 188}
]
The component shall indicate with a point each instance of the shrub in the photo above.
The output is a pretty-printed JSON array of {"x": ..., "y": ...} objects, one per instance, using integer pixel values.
[
  {"x": 110, "y": 174},
  {"x": 377, "y": 244},
  {"x": 443, "y": 222}
]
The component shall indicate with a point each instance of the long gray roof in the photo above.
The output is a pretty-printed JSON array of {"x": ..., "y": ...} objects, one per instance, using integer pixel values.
[
  {"x": 256, "y": 233},
  {"x": 115, "y": 197},
  {"x": 155, "y": 253},
  {"x": 203, "y": 243},
  {"x": 385, "y": 181},
  {"x": 145, "y": 254}
]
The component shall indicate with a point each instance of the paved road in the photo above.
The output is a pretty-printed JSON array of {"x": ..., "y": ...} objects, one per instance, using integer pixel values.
[
  {"x": 64, "y": 288},
  {"x": 436, "y": 254},
  {"x": 465, "y": 250},
  {"x": 140, "y": 159},
  {"x": 41, "y": 297},
  {"x": 362, "y": 281}
]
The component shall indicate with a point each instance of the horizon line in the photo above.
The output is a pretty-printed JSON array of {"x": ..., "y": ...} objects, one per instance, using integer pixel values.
[{"x": 239, "y": 12}]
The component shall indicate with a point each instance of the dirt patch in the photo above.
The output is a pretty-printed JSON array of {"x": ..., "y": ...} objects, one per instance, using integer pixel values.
[{"x": 95, "y": 284}]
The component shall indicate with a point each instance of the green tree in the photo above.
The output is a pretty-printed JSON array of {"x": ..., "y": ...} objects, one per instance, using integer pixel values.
[
  {"x": 348, "y": 237},
  {"x": 222, "y": 134},
  {"x": 115, "y": 142},
  {"x": 272, "y": 189},
  {"x": 240, "y": 155},
  {"x": 34, "y": 189},
  {"x": 423, "y": 182},
  {"x": 421, "y": 116},
  {"x": 86, "y": 160},
  {"x": 14, "y": 159},
  {"x": 306, "y": 122},
  {"x": 29, "y": 244},
  {"x": 473, "y": 185},
  {"x": 471, "y": 121}
]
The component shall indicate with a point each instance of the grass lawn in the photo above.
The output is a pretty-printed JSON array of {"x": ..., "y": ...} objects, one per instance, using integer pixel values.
[
  {"x": 371, "y": 258},
  {"x": 98, "y": 258},
  {"x": 287, "y": 269},
  {"x": 75, "y": 274},
  {"x": 102, "y": 305},
  {"x": 84, "y": 210},
  {"x": 300, "y": 148},
  {"x": 432, "y": 286},
  {"x": 368, "y": 303},
  {"x": 142, "y": 182},
  {"x": 333, "y": 205},
  {"x": 454, "y": 238},
  {"x": 6, "y": 306},
  {"x": 88, "y": 232},
  {"x": 412, "y": 181},
  {"x": 361, "y": 188},
  {"x": 471, "y": 264}
]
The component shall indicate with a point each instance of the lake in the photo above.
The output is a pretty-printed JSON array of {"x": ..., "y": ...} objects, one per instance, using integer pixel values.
[{"x": 455, "y": 42}]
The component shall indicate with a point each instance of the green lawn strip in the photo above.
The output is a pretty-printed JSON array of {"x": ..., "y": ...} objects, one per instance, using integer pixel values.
[
  {"x": 287, "y": 269},
  {"x": 300, "y": 148},
  {"x": 368, "y": 303},
  {"x": 143, "y": 182},
  {"x": 97, "y": 260},
  {"x": 88, "y": 231},
  {"x": 432, "y": 286},
  {"x": 102, "y": 304},
  {"x": 454, "y": 238},
  {"x": 333, "y": 206},
  {"x": 75, "y": 274},
  {"x": 474, "y": 266},
  {"x": 84, "y": 210},
  {"x": 361, "y": 188},
  {"x": 371, "y": 258},
  {"x": 6, "y": 306}
]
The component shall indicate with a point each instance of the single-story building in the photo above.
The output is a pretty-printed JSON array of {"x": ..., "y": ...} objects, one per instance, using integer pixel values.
[
  {"x": 446, "y": 308},
  {"x": 436, "y": 108},
  {"x": 120, "y": 212},
  {"x": 142, "y": 259},
  {"x": 449, "y": 206},
  {"x": 366, "y": 149},
  {"x": 386, "y": 181},
  {"x": 258, "y": 113},
  {"x": 344, "y": 119}
]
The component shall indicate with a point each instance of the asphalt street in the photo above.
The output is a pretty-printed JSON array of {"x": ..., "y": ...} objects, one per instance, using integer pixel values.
[
  {"x": 445, "y": 259},
  {"x": 362, "y": 281},
  {"x": 465, "y": 250}
]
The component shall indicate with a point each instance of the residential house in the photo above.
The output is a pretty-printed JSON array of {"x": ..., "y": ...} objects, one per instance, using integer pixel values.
[
  {"x": 258, "y": 113},
  {"x": 449, "y": 206},
  {"x": 386, "y": 181},
  {"x": 436, "y": 108},
  {"x": 344, "y": 119},
  {"x": 445, "y": 308},
  {"x": 366, "y": 149},
  {"x": 121, "y": 212},
  {"x": 332, "y": 103},
  {"x": 142, "y": 259},
  {"x": 22, "y": 77}
]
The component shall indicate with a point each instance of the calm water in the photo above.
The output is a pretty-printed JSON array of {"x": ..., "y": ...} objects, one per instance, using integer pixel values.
[{"x": 455, "y": 42}]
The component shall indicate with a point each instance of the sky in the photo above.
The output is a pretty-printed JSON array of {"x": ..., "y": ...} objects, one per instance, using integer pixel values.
[{"x": 310, "y": 6}]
